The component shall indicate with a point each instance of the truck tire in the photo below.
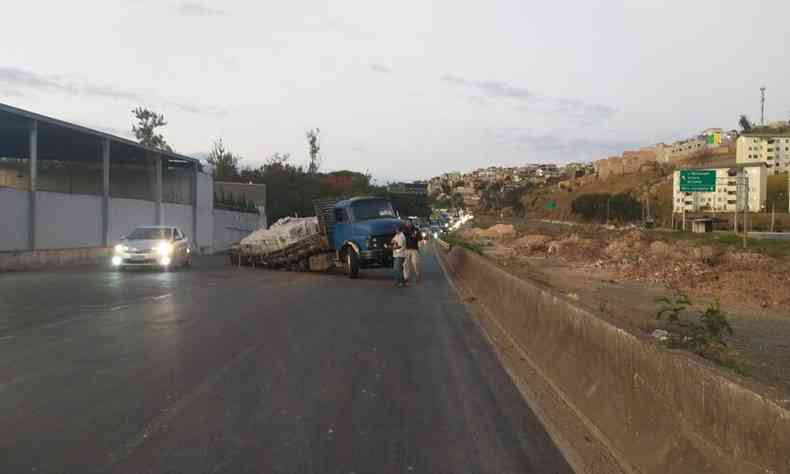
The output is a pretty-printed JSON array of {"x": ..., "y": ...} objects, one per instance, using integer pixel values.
[{"x": 351, "y": 263}]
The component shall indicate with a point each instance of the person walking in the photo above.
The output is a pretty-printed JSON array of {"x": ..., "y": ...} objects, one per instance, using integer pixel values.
[
  {"x": 399, "y": 255},
  {"x": 412, "y": 260}
]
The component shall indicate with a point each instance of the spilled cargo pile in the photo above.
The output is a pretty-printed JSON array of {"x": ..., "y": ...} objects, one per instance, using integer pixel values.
[{"x": 283, "y": 233}]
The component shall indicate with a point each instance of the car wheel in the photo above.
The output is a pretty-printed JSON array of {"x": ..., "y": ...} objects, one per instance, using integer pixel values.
[{"x": 352, "y": 263}]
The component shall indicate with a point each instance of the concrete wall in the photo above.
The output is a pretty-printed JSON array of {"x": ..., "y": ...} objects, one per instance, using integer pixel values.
[
  {"x": 68, "y": 220},
  {"x": 45, "y": 258},
  {"x": 71, "y": 221},
  {"x": 630, "y": 162},
  {"x": 126, "y": 214},
  {"x": 230, "y": 227},
  {"x": 180, "y": 216},
  {"x": 14, "y": 206},
  {"x": 663, "y": 411}
]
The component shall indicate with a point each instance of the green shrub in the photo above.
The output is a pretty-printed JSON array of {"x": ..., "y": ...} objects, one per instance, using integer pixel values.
[
  {"x": 596, "y": 206},
  {"x": 455, "y": 240},
  {"x": 700, "y": 335}
]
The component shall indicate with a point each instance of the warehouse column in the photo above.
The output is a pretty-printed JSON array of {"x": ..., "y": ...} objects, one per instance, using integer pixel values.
[
  {"x": 105, "y": 151},
  {"x": 195, "y": 205},
  {"x": 33, "y": 184},
  {"x": 158, "y": 188}
]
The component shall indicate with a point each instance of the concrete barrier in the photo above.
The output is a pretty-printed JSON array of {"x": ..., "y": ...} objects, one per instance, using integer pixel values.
[
  {"x": 663, "y": 411},
  {"x": 27, "y": 260}
]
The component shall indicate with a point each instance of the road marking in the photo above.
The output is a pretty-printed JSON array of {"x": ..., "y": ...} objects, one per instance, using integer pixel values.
[{"x": 169, "y": 413}]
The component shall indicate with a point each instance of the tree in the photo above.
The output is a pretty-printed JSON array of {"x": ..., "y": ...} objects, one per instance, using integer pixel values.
[
  {"x": 457, "y": 200},
  {"x": 598, "y": 206},
  {"x": 745, "y": 124},
  {"x": 281, "y": 160},
  {"x": 145, "y": 130},
  {"x": 314, "y": 145},
  {"x": 224, "y": 164}
]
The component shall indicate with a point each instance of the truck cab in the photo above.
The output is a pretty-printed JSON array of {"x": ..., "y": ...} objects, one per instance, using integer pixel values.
[{"x": 361, "y": 232}]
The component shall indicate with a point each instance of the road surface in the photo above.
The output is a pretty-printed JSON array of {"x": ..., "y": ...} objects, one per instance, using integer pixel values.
[{"x": 228, "y": 370}]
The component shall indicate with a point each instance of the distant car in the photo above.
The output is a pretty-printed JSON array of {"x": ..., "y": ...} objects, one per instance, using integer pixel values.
[{"x": 153, "y": 246}]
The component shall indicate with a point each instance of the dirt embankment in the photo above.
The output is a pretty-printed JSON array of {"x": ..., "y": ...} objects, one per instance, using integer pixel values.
[
  {"x": 620, "y": 273},
  {"x": 747, "y": 280}
]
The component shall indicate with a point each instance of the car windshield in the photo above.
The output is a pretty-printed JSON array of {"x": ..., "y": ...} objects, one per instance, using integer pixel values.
[
  {"x": 149, "y": 233},
  {"x": 372, "y": 209}
]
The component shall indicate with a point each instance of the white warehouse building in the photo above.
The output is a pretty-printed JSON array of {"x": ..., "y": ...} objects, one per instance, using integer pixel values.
[
  {"x": 729, "y": 194},
  {"x": 68, "y": 192}
]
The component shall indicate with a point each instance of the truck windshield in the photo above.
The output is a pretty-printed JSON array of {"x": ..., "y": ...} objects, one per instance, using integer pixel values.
[
  {"x": 372, "y": 209},
  {"x": 149, "y": 233}
]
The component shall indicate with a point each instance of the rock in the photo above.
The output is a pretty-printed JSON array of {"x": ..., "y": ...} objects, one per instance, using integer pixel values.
[
  {"x": 703, "y": 253},
  {"x": 498, "y": 231},
  {"x": 532, "y": 242},
  {"x": 660, "y": 334},
  {"x": 660, "y": 249}
]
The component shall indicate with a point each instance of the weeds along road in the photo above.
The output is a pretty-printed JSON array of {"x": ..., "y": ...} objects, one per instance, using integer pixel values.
[{"x": 221, "y": 369}]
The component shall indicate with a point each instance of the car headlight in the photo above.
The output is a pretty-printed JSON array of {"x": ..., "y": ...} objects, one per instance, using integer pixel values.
[
  {"x": 121, "y": 248},
  {"x": 165, "y": 248}
]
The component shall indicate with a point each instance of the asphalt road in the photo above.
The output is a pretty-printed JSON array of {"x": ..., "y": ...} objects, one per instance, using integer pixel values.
[{"x": 221, "y": 369}]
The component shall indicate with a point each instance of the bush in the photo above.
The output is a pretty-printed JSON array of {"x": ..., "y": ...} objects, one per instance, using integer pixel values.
[
  {"x": 619, "y": 207},
  {"x": 699, "y": 336},
  {"x": 455, "y": 240}
]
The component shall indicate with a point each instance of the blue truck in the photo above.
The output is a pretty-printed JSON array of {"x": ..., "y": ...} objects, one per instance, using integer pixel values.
[{"x": 353, "y": 234}]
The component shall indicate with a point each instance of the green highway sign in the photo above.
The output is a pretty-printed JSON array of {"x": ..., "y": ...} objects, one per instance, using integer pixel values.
[{"x": 697, "y": 181}]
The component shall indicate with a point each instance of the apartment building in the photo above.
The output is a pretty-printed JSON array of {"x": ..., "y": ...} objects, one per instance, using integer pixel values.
[
  {"x": 678, "y": 150},
  {"x": 770, "y": 147},
  {"x": 730, "y": 194}
]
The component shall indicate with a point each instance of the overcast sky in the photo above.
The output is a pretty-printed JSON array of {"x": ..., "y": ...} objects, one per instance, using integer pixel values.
[{"x": 405, "y": 89}]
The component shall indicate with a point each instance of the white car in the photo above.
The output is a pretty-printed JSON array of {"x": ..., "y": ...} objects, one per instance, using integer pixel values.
[{"x": 153, "y": 246}]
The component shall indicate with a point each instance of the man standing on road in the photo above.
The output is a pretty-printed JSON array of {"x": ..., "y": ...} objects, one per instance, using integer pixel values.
[
  {"x": 411, "y": 264},
  {"x": 399, "y": 255}
]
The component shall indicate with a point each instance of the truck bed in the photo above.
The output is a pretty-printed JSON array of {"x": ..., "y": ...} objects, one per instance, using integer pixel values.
[{"x": 294, "y": 254}]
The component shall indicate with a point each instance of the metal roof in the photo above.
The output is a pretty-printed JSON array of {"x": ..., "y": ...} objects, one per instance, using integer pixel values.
[{"x": 96, "y": 133}]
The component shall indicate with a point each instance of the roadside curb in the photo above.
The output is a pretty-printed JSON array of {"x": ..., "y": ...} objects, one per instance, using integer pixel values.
[
  {"x": 660, "y": 410},
  {"x": 582, "y": 445}
]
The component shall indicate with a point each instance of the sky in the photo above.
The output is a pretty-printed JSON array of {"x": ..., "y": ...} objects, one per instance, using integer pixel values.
[{"x": 404, "y": 90}]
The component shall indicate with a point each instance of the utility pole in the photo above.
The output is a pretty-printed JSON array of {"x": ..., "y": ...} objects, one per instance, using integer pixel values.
[
  {"x": 607, "y": 210},
  {"x": 735, "y": 221},
  {"x": 773, "y": 214},
  {"x": 762, "y": 106},
  {"x": 684, "y": 215},
  {"x": 745, "y": 206}
]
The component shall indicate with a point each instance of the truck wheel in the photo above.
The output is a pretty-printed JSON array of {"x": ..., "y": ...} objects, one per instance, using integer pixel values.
[{"x": 352, "y": 263}]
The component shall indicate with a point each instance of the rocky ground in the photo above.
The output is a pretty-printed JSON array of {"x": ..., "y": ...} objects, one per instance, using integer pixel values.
[{"x": 620, "y": 272}]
